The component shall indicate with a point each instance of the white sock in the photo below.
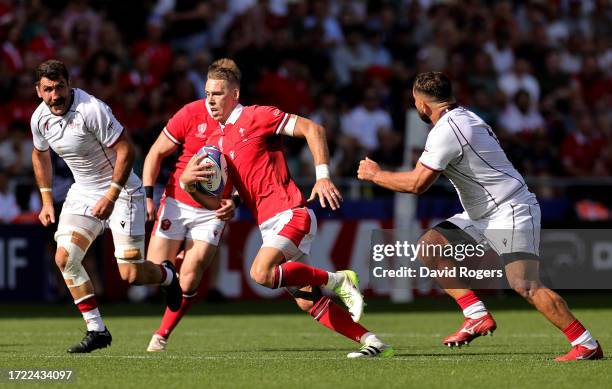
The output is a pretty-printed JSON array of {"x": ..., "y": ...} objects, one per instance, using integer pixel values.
[
  {"x": 475, "y": 311},
  {"x": 334, "y": 279},
  {"x": 585, "y": 340},
  {"x": 93, "y": 319},
  {"x": 370, "y": 339},
  {"x": 169, "y": 276}
]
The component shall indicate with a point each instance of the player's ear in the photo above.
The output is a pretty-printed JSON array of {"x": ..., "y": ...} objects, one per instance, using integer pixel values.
[
  {"x": 425, "y": 108},
  {"x": 37, "y": 86},
  {"x": 236, "y": 93}
]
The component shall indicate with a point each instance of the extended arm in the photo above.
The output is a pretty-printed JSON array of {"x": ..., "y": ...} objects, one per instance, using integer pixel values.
[
  {"x": 314, "y": 134},
  {"x": 415, "y": 181}
]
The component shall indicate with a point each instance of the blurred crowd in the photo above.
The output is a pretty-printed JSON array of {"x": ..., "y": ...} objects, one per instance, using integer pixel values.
[{"x": 540, "y": 72}]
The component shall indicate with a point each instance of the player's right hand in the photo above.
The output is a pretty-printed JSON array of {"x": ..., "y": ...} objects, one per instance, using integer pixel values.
[
  {"x": 47, "y": 215},
  {"x": 195, "y": 171},
  {"x": 151, "y": 211}
]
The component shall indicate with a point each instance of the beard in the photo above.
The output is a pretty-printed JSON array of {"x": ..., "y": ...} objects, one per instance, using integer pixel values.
[{"x": 424, "y": 117}]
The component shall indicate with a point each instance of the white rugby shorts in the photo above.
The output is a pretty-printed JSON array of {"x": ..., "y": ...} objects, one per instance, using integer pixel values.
[
  {"x": 179, "y": 221},
  {"x": 291, "y": 232},
  {"x": 510, "y": 230}
]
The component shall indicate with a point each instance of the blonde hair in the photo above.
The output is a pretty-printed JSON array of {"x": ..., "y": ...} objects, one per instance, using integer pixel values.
[{"x": 225, "y": 69}]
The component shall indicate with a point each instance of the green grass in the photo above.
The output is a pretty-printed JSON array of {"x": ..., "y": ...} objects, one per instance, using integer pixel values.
[{"x": 264, "y": 345}]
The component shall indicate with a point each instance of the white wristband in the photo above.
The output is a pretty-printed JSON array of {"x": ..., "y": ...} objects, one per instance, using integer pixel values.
[
  {"x": 115, "y": 185},
  {"x": 322, "y": 171},
  {"x": 45, "y": 190}
]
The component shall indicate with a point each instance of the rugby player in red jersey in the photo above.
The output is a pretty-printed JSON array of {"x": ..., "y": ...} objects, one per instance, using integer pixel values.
[
  {"x": 181, "y": 221},
  {"x": 249, "y": 137}
]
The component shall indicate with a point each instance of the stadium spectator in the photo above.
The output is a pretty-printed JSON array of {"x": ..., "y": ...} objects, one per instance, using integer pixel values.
[
  {"x": 500, "y": 51},
  {"x": 321, "y": 18},
  {"x": 363, "y": 124},
  {"x": 186, "y": 23},
  {"x": 520, "y": 78},
  {"x": 520, "y": 116},
  {"x": 351, "y": 57},
  {"x": 580, "y": 148}
]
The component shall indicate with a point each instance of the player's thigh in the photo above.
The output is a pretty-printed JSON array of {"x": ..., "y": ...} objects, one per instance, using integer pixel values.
[
  {"x": 198, "y": 256},
  {"x": 266, "y": 259},
  {"x": 161, "y": 249},
  {"x": 291, "y": 232}
]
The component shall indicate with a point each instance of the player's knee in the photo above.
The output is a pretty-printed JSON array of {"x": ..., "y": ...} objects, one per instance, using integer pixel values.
[
  {"x": 262, "y": 276},
  {"x": 61, "y": 258},
  {"x": 71, "y": 248}
]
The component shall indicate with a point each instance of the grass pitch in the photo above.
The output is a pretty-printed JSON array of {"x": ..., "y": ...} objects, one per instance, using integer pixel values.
[{"x": 252, "y": 345}]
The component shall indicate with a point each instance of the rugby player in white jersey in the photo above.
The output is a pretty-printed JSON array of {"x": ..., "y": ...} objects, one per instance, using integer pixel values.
[
  {"x": 106, "y": 194},
  {"x": 499, "y": 210}
]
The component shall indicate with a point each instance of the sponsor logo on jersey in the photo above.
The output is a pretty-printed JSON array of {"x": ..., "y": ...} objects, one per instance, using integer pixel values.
[
  {"x": 165, "y": 224},
  {"x": 232, "y": 154},
  {"x": 276, "y": 112},
  {"x": 201, "y": 129},
  {"x": 505, "y": 241},
  {"x": 122, "y": 223},
  {"x": 241, "y": 131}
]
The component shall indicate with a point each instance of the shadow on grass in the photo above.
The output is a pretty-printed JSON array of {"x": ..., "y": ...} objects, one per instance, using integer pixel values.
[{"x": 576, "y": 299}]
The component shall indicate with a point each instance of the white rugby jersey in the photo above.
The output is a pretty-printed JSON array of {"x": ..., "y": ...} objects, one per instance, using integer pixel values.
[
  {"x": 83, "y": 138},
  {"x": 465, "y": 149}
]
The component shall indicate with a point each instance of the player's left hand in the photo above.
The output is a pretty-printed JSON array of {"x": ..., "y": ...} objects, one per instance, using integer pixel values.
[
  {"x": 325, "y": 189},
  {"x": 226, "y": 210},
  {"x": 103, "y": 208},
  {"x": 367, "y": 169}
]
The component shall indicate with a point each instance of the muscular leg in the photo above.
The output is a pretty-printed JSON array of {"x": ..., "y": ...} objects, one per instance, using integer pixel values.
[
  {"x": 266, "y": 270},
  {"x": 477, "y": 320},
  {"x": 523, "y": 277},
  {"x": 161, "y": 249},
  {"x": 452, "y": 286},
  {"x": 198, "y": 256},
  {"x": 72, "y": 244}
]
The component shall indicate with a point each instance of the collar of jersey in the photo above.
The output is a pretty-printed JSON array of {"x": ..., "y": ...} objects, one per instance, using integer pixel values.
[{"x": 233, "y": 117}]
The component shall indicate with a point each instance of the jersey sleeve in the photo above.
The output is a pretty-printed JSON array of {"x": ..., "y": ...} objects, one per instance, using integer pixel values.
[
  {"x": 101, "y": 121},
  {"x": 270, "y": 120},
  {"x": 176, "y": 128},
  {"x": 441, "y": 147},
  {"x": 39, "y": 141}
]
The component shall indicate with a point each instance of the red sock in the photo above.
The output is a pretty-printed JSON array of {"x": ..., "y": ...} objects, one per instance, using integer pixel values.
[
  {"x": 574, "y": 330},
  {"x": 171, "y": 319},
  {"x": 467, "y": 299},
  {"x": 88, "y": 304},
  {"x": 328, "y": 313},
  {"x": 298, "y": 274}
]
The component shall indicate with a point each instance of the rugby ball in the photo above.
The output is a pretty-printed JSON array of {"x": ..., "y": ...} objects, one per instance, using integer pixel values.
[{"x": 213, "y": 186}]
